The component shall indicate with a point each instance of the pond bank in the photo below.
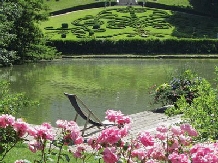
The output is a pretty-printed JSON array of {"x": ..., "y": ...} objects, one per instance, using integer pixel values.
[{"x": 182, "y": 56}]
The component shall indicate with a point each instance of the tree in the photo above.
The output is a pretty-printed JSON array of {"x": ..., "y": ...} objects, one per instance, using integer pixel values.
[
  {"x": 207, "y": 6},
  {"x": 7, "y": 17},
  {"x": 28, "y": 40}
]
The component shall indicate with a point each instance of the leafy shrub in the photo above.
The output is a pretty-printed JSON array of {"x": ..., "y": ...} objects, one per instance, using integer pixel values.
[
  {"x": 202, "y": 113},
  {"x": 7, "y": 58},
  {"x": 183, "y": 85},
  {"x": 64, "y": 25},
  {"x": 11, "y": 103},
  {"x": 195, "y": 98},
  {"x": 91, "y": 33},
  {"x": 63, "y": 35}
]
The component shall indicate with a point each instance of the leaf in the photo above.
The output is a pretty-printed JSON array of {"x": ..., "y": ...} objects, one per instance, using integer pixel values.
[{"x": 67, "y": 157}]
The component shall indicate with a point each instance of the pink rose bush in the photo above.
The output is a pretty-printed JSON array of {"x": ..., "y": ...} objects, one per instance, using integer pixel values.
[
  {"x": 117, "y": 117},
  {"x": 174, "y": 144}
]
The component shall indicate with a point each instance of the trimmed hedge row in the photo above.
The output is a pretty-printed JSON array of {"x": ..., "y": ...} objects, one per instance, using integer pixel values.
[{"x": 137, "y": 46}]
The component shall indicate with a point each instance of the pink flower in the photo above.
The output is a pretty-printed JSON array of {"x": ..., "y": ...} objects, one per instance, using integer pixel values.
[
  {"x": 124, "y": 131},
  {"x": 146, "y": 139},
  {"x": 112, "y": 115},
  {"x": 43, "y": 131},
  {"x": 117, "y": 117},
  {"x": 93, "y": 143},
  {"x": 123, "y": 120},
  {"x": 185, "y": 140},
  {"x": 162, "y": 129},
  {"x": 188, "y": 128},
  {"x": 35, "y": 145},
  {"x": 20, "y": 127},
  {"x": 71, "y": 132},
  {"x": 178, "y": 158},
  {"x": 156, "y": 152},
  {"x": 79, "y": 140},
  {"x": 79, "y": 152},
  {"x": 161, "y": 136},
  {"x": 47, "y": 125},
  {"x": 61, "y": 123},
  {"x": 176, "y": 130},
  {"x": 139, "y": 153},
  {"x": 109, "y": 155},
  {"x": 31, "y": 131},
  {"x": 192, "y": 132},
  {"x": 204, "y": 153},
  {"x": 6, "y": 120},
  {"x": 174, "y": 145},
  {"x": 110, "y": 135}
]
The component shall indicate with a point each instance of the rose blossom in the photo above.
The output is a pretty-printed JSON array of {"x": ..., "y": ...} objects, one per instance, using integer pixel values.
[
  {"x": 146, "y": 139},
  {"x": 109, "y": 155},
  {"x": 6, "y": 120},
  {"x": 79, "y": 151},
  {"x": 20, "y": 127},
  {"x": 178, "y": 158}
]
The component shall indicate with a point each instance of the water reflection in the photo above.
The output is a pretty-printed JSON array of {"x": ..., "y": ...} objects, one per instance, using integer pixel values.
[{"x": 120, "y": 84}]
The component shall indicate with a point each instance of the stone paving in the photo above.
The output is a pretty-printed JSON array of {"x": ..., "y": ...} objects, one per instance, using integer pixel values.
[{"x": 142, "y": 121}]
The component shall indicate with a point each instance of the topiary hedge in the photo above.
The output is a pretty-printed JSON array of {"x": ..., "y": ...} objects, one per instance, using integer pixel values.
[{"x": 137, "y": 46}]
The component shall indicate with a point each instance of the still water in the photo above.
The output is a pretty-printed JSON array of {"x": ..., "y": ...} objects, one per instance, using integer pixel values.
[{"x": 119, "y": 84}]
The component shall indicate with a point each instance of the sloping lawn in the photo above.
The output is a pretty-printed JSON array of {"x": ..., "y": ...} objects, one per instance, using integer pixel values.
[
  {"x": 170, "y": 2},
  {"x": 129, "y": 22},
  {"x": 56, "y": 5}
]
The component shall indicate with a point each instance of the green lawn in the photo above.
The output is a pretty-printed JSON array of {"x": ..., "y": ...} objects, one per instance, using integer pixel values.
[
  {"x": 170, "y": 2},
  {"x": 124, "y": 22},
  {"x": 21, "y": 152},
  {"x": 56, "y": 5}
]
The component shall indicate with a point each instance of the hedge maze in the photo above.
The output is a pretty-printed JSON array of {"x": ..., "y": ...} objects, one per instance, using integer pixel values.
[
  {"x": 137, "y": 22},
  {"x": 138, "y": 19}
]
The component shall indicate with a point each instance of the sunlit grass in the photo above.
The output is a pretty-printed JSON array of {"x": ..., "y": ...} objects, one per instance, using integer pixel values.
[
  {"x": 169, "y": 2},
  {"x": 56, "y": 5},
  {"x": 21, "y": 152}
]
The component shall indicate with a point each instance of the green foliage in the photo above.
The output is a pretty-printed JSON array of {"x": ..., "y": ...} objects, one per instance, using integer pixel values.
[
  {"x": 159, "y": 23},
  {"x": 135, "y": 46},
  {"x": 202, "y": 112},
  {"x": 183, "y": 85},
  {"x": 64, "y": 25},
  {"x": 9, "y": 138},
  {"x": 8, "y": 14},
  {"x": 11, "y": 103},
  {"x": 22, "y": 37}
]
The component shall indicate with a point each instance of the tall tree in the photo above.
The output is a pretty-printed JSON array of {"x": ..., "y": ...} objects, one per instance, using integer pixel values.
[
  {"x": 8, "y": 14},
  {"x": 29, "y": 42}
]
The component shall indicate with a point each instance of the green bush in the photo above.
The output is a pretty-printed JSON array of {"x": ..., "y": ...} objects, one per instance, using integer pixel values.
[
  {"x": 183, "y": 85},
  {"x": 63, "y": 35},
  {"x": 11, "y": 103},
  {"x": 195, "y": 98},
  {"x": 203, "y": 112},
  {"x": 64, "y": 25}
]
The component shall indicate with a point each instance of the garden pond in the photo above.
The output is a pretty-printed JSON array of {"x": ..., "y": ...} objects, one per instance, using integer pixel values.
[{"x": 102, "y": 84}]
